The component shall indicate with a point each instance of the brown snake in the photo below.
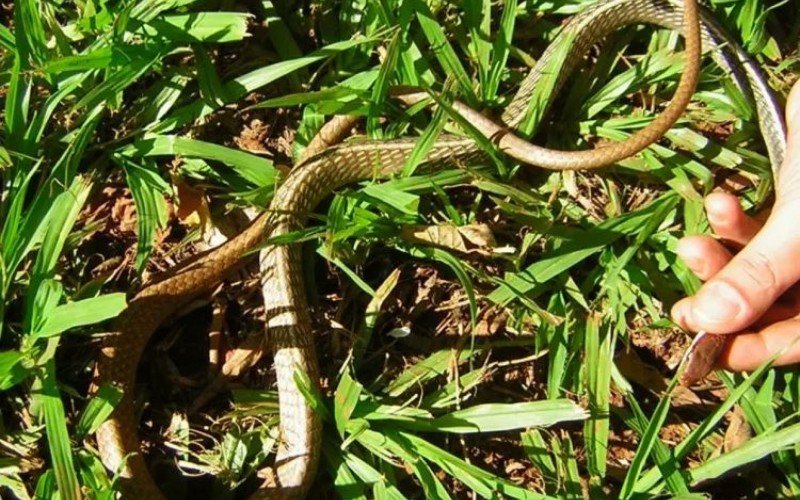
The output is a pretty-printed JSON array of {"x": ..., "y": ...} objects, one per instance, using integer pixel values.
[{"x": 288, "y": 322}]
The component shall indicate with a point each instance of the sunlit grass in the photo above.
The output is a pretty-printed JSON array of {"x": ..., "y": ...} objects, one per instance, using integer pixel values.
[{"x": 578, "y": 263}]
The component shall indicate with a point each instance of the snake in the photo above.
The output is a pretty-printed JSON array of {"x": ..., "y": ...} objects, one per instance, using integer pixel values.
[{"x": 289, "y": 330}]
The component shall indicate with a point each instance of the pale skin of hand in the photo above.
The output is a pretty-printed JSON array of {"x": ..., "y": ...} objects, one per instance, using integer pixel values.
[{"x": 751, "y": 269}]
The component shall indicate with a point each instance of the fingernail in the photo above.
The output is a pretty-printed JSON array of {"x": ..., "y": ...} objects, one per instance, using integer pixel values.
[
  {"x": 678, "y": 314},
  {"x": 716, "y": 213},
  {"x": 695, "y": 263},
  {"x": 687, "y": 251},
  {"x": 717, "y": 303}
]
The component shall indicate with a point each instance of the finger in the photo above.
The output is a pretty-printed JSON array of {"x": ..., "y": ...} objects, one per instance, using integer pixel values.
[
  {"x": 787, "y": 306},
  {"x": 728, "y": 220},
  {"x": 748, "y": 351},
  {"x": 788, "y": 183},
  {"x": 703, "y": 255},
  {"x": 744, "y": 289},
  {"x": 679, "y": 312},
  {"x": 793, "y": 109}
]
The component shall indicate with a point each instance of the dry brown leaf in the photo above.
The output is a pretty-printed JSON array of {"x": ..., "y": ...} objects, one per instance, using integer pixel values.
[
  {"x": 738, "y": 431},
  {"x": 123, "y": 213},
  {"x": 191, "y": 206},
  {"x": 491, "y": 322},
  {"x": 253, "y": 137},
  {"x": 472, "y": 238},
  {"x": 514, "y": 466}
]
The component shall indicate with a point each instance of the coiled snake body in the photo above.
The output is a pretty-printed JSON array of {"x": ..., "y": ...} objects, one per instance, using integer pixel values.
[{"x": 288, "y": 322}]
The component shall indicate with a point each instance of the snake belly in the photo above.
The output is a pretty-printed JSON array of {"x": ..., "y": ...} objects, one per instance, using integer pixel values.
[{"x": 289, "y": 327}]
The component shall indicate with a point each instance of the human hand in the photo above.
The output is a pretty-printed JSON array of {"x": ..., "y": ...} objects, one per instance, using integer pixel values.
[{"x": 755, "y": 292}]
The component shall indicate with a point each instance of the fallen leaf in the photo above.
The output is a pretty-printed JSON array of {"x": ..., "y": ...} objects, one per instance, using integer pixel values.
[
  {"x": 191, "y": 206},
  {"x": 738, "y": 431},
  {"x": 472, "y": 238},
  {"x": 253, "y": 137},
  {"x": 492, "y": 321},
  {"x": 123, "y": 213}
]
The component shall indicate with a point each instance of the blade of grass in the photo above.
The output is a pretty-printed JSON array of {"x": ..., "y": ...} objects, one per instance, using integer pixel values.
[
  {"x": 443, "y": 51},
  {"x": 81, "y": 313},
  {"x": 598, "y": 359},
  {"x": 31, "y": 42},
  {"x": 211, "y": 88},
  {"x": 647, "y": 442},
  {"x": 240, "y": 86},
  {"x": 259, "y": 171},
  {"x": 148, "y": 190},
  {"x": 485, "y": 484},
  {"x": 568, "y": 255},
  {"x": 348, "y": 392},
  {"x": 750, "y": 451},
  {"x": 65, "y": 210},
  {"x": 492, "y": 417},
  {"x": 216, "y": 27},
  {"x": 55, "y": 422},
  {"x": 98, "y": 410},
  {"x": 380, "y": 90},
  {"x": 501, "y": 49},
  {"x": 432, "y": 366}
]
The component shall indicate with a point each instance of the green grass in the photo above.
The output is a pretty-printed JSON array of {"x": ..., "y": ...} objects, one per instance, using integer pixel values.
[{"x": 99, "y": 93}]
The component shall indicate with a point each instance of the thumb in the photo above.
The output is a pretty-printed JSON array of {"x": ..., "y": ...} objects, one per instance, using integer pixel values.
[
  {"x": 788, "y": 185},
  {"x": 754, "y": 279},
  {"x": 793, "y": 108}
]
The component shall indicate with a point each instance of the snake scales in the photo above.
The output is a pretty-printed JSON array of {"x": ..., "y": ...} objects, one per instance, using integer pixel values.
[{"x": 287, "y": 317}]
